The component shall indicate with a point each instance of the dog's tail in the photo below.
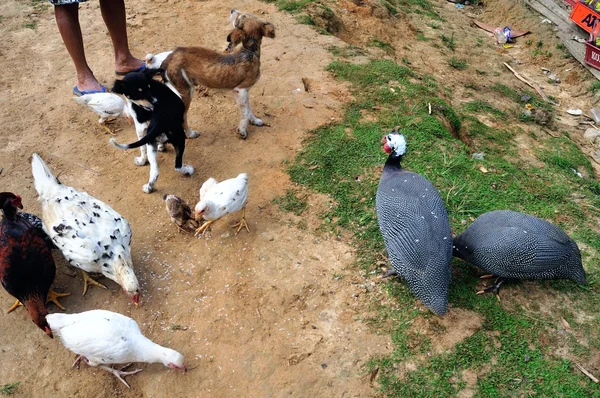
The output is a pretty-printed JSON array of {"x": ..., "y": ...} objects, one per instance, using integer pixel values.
[{"x": 148, "y": 138}]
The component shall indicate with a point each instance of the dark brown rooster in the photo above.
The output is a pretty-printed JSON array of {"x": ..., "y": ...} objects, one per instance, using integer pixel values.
[{"x": 26, "y": 265}]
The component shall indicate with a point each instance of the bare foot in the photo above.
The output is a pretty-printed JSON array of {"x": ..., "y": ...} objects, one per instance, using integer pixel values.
[{"x": 128, "y": 64}]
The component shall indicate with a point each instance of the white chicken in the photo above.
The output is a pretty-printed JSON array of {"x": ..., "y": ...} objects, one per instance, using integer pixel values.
[
  {"x": 218, "y": 199},
  {"x": 91, "y": 235},
  {"x": 102, "y": 338},
  {"x": 107, "y": 105}
]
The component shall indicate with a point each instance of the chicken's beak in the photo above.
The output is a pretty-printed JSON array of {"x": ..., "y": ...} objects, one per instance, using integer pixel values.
[
  {"x": 48, "y": 332},
  {"x": 184, "y": 368},
  {"x": 384, "y": 139},
  {"x": 136, "y": 300}
]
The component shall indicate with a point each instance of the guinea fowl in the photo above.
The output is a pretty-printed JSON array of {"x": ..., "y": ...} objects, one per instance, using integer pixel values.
[
  {"x": 90, "y": 234},
  {"x": 102, "y": 338},
  {"x": 217, "y": 199},
  {"x": 27, "y": 268},
  {"x": 514, "y": 245},
  {"x": 180, "y": 213},
  {"x": 415, "y": 228}
]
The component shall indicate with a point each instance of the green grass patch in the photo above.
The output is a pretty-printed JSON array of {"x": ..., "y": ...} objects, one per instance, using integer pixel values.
[
  {"x": 384, "y": 45},
  {"x": 347, "y": 51},
  {"x": 291, "y": 202},
  {"x": 449, "y": 42},
  {"x": 9, "y": 389},
  {"x": 458, "y": 63},
  {"x": 291, "y": 6},
  {"x": 505, "y": 352}
]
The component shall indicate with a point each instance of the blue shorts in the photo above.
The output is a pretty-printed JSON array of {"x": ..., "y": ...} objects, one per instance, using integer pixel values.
[{"x": 63, "y": 2}]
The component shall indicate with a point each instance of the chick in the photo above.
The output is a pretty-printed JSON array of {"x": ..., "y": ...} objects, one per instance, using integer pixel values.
[
  {"x": 107, "y": 105},
  {"x": 180, "y": 213}
]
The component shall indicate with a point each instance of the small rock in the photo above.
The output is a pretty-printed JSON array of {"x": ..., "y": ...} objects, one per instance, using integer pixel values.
[
  {"x": 323, "y": 365},
  {"x": 554, "y": 78},
  {"x": 478, "y": 155},
  {"x": 525, "y": 98}
]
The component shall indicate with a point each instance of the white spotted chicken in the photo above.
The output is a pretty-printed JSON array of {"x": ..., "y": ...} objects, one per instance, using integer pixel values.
[
  {"x": 106, "y": 105},
  {"x": 217, "y": 199},
  {"x": 90, "y": 234},
  {"x": 415, "y": 227},
  {"x": 101, "y": 338}
]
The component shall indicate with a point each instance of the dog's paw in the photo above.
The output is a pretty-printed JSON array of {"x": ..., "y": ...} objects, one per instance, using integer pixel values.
[
  {"x": 186, "y": 170},
  {"x": 257, "y": 122},
  {"x": 192, "y": 134},
  {"x": 161, "y": 148},
  {"x": 148, "y": 188},
  {"x": 140, "y": 160},
  {"x": 243, "y": 134}
]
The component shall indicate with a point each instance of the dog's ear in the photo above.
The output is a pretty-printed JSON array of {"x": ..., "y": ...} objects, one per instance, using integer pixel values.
[
  {"x": 235, "y": 37},
  {"x": 268, "y": 30},
  {"x": 118, "y": 87}
]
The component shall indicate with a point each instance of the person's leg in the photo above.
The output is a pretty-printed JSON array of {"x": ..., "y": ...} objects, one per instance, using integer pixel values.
[
  {"x": 67, "y": 19},
  {"x": 113, "y": 13}
]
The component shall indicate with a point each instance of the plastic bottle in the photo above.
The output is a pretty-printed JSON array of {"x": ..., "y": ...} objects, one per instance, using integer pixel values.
[{"x": 500, "y": 36}]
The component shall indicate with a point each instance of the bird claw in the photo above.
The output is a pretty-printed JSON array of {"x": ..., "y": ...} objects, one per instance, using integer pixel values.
[
  {"x": 87, "y": 280},
  {"x": 14, "y": 306},
  {"x": 53, "y": 297},
  {"x": 120, "y": 374}
]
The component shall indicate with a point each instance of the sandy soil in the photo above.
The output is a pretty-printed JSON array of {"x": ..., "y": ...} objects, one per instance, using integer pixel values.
[{"x": 258, "y": 314}]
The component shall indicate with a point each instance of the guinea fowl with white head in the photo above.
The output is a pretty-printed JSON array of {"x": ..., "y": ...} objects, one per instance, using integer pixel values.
[
  {"x": 217, "y": 199},
  {"x": 106, "y": 105},
  {"x": 90, "y": 234},
  {"x": 102, "y": 338},
  {"x": 513, "y": 245},
  {"x": 415, "y": 228}
]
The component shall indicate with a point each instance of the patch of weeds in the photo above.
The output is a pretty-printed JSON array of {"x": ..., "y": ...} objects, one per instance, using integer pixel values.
[
  {"x": 423, "y": 7},
  {"x": 479, "y": 42},
  {"x": 434, "y": 25},
  {"x": 449, "y": 42},
  {"x": 9, "y": 389},
  {"x": 291, "y": 6},
  {"x": 174, "y": 327},
  {"x": 458, "y": 63},
  {"x": 305, "y": 20},
  {"x": 471, "y": 86},
  {"x": 480, "y": 72},
  {"x": 384, "y": 45},
  {"x": 565, "y": 155},
  {"x": 30, "y": 25},
  {"x": 346, "y": 52},
  {"x": 563, "y": 49},
  {"x": 595, "y": 87},
  {"x": 291, "y": 202},
  {"x": 480, "y": 106},
  {"x": 421, "y": 37},
  {"x": 406, "y": 61},
  {"x": 538, "y": 50}
]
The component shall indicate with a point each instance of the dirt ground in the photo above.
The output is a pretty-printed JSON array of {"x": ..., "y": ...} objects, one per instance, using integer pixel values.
[{"x": 259, "y": 314}]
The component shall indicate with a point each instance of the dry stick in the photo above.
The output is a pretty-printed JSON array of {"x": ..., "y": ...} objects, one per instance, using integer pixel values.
[
  {"x": 532, "y": 85},
  {"x": 585, "y": 372}
]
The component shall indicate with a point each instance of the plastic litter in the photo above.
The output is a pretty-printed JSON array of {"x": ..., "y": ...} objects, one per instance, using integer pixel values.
[
  {"x": 575, "y": 112},
  {"x": 595, "y": 114},
  {"x": 503, "y": 35},
  {"x": 478, "y": 155}
]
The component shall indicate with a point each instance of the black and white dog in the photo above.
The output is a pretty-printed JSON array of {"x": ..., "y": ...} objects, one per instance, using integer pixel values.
[{"x": 158, "y": 115}]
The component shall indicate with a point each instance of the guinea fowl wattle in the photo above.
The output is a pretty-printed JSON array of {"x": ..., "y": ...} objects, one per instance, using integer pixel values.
[
  {"x": 415, "y": 227},
  {"x": 514, "y": 245}
]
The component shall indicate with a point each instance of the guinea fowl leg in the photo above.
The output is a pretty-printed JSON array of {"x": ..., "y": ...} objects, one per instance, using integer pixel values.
[
  {"x": 203, "y": 228},
  {"x": 119, "y": 374},
  {"x": 14, "y": 307},
  {"x": 87, "y": 279},
  {"x": 495, "y": 288},
  {"x": 53, "y": 297},
  {"x": 242, "y": 223}
]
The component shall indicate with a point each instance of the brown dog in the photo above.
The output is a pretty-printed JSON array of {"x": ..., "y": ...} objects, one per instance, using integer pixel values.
[{"x": 236, "y": 69}]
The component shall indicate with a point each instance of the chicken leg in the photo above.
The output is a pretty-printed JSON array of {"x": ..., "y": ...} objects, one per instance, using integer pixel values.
[
  {"x": 87, "y": 279},
  {"x": 242, "y": 223},
  {"x": 52, "y": 297},
  {"x": 203, "y": 228},
  {"x": 119, "y": 374}
]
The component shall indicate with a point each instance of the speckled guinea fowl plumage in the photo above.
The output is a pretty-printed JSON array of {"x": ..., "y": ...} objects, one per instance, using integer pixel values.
[
  {"x": 415, "y": 227},
  {"x": 519, "y": 246}
]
